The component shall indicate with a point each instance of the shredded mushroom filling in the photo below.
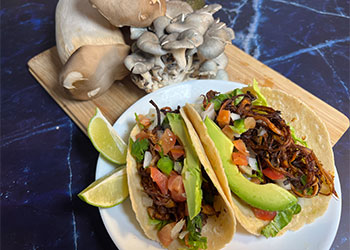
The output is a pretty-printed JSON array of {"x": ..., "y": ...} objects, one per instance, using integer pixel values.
[{"x": 276, "y": 149}]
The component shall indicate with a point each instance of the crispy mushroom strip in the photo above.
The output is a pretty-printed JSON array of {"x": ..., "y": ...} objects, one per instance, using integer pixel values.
[{"x": 276, "y": 149}]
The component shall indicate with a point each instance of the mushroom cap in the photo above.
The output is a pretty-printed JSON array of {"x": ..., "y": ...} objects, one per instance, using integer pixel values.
[
  {"x": 139, "y": 63},
  {"x": 168, "y": 38},
  {"x": 159, "y": 25},
  {"x": 78, "y": 24},
  {"x": 137, "y": 13},
  {"x": 215, "y": 39},
  {"x": 175, "y": 8},
  {"x": 211, "y": 48},
  {"x": 92, "y": 69},
  {"x": 210, "y": 9},
  {"x": 208, "y": 68},
  {"x": 178, "y": 44},
  {"x": 149, "y": 43},
  {"x": 221, "y": 75},
  {"x": 192, "y": 36},
  {"x": 199, "y": 20},
  {"x": 220, "y": 31},
  {"x": 135, "y": 32}
]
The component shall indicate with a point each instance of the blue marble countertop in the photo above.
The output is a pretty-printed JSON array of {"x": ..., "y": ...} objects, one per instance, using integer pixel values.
[{"x": 46, "y": 160}]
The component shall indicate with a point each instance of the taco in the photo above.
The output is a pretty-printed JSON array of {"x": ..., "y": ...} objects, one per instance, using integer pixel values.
[
  {"x": 275, "y": 160},
  {"x": 174, "y": 192}
]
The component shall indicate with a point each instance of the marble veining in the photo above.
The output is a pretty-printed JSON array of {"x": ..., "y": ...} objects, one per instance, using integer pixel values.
[
  {"x": 46, "y": 160},
  {"x": 340, "y": 14},
  {"x": 74, "y": 224}
]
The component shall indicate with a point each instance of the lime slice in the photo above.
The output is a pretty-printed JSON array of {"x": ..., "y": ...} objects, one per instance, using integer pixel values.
[
  {"x": 106, "y": 140},
  {"x": 107, "y": 191}
]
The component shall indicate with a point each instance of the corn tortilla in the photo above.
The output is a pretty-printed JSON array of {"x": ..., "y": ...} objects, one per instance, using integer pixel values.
[
  {"x": 307, "y": 125},
  {"x": 218, "y": 230}
]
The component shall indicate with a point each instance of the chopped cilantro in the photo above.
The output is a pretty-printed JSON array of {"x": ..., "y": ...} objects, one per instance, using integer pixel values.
[{"x": 138, "y": 149}]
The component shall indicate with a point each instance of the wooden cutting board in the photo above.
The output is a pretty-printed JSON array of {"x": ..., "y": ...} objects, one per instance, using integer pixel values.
[{"x": 242, "y": 67}]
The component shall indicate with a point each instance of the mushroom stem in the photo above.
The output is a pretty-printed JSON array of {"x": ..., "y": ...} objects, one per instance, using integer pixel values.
[
  {"x": 179, "y": 55},
  {"x": 147, "y": 76},
  {"x": 92, "y": 69}
]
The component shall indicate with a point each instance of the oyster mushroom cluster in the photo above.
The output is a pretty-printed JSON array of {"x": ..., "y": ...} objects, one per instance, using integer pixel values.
[{"x": 182, "y": 45}]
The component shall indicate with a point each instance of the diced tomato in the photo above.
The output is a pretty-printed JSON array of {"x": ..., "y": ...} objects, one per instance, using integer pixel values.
[
  {"x": 176, "y": 187},
  {"x": 239, "y": 159},
  {"x": 272, "y": 174},
  {"x": 159, "y": 178},
  {"x": 223, "y": 117},
  {"x": 142, "y": 135},
  {"x": 144, "y": 121},
  {"x": 264, "y": 215},
  {"x": 177, "y": 152},
  {"x": 164, "y": 235},
  {"x": 240, "y": 146},
  {"x": 227, "y": 130},
  {"x": 167, "y": 141}
]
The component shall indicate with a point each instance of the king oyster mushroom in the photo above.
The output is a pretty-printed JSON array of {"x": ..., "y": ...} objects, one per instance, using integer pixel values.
[
  {"x": 78, "y": 24},
  {"x": 91, "y": 49},
  {"x": 92, "y": 69},
  {"x": 136, "y": 13},
  {"x": 172, "y": 45}
]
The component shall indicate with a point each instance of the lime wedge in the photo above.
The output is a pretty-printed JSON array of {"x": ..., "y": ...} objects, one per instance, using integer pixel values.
[
  {"x": 107, "y": 191},
  {"x": 105, "y": 139}
]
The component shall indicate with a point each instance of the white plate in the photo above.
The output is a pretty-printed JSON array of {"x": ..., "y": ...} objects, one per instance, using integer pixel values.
[{"x": 121, "y": 223}]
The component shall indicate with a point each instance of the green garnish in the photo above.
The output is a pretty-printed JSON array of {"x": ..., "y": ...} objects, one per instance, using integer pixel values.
[
  {"x": 138, "y": 149},
  {"x": 217, "y": 100},
  {"x": 238, "y": 92},
  {"x": 194, "y": 228},
  {"x": 280, "y": 221},
  {"x": 138, "y": 122},
  {"x": 165, "y": 164},
  {"x": 297, "y": 139},
  {"x": 261, "y": 100},
  {"x": 238, "y": 126},
  {"x": 159, "y": 224}
]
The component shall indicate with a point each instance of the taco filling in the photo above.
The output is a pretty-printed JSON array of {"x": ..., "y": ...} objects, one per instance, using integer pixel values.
[
  {"x": 266, "y": 150},
  {"x": 181, "y": 195}
]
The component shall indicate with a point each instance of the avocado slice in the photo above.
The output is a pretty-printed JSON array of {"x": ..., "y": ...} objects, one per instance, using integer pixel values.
[
  {"x": 269, "y": 197},
  {"x": 191, "y": 172}
]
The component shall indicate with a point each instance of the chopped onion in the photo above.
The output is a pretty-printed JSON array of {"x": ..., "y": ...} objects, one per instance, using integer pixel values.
[
  {"x": 261, "y": 131},
  {"x": 147, "y": 160},
  {"x": 159, "y": 133},
  {"x": 183, "y": 234},
  {"x": 249, "y": 123},
  {"x": 253, "y": 163},
  {"x": 153, "y": 125},
  {"x": 235, "y": 116},
  {"x": 152, "y": 115},
  {"x": 210, "y": 112},
  {"x": 177, "y": 229},
  {"x": 198, "y": 107},
  {"x": 177, "y": 167},
  {"x": 281, "y": 183},
  {"x": 246, "y": 169},
  {"x": 147, "y": 201}
]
